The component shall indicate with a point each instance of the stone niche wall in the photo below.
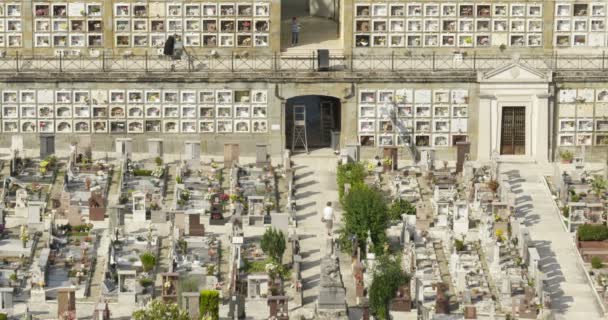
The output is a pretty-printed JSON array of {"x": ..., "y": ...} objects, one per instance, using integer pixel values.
[
  {"x": 212, "y": 113},
  {"x": 91, "y": 27},
  {"x": 581, "y": 120},
  {"x": 410, "y": 115}
]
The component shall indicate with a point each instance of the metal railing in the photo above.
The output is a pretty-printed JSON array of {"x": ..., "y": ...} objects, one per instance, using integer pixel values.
[{"x": 277, "y": 63}]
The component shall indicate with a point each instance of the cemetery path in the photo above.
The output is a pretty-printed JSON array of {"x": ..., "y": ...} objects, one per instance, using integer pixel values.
[
  {"x": 565, "y": 279},
  {"x": 315, "y": 185}
]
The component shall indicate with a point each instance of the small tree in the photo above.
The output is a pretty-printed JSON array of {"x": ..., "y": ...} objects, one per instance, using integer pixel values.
[
  {"x": 148, "y": 261},
  {"x": 158, "y": 161},
  {"x": 158, "y": 310},
  {"x": 598, "y": 185},
  {"x": 209, "y": 306},
  {"x": 459, "y": 245},
  {"x": 596, "y": 262},
  {"x": 365, "y": 212},
  {"x": 388, "y": 277},
  {"x": 353, "y": 173},
  {"x": 273, "y": 244}
]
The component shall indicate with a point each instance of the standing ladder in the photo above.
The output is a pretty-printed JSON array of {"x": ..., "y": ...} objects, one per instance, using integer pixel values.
[{"x": 299, "y": 128}]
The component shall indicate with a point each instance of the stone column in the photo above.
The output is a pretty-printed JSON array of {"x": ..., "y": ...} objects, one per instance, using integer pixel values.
[
  {"x": 541, "y": 131},
  {"x": 485, "y": 133}
]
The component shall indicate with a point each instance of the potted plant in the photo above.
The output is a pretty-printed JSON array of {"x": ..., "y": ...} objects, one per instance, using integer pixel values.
[{"x": 566, "y": 156}]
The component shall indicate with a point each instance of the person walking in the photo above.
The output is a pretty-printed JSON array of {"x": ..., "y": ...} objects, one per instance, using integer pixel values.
[
  {"x": 295, "y": 31},
  {"x": 328, "y": 218}
]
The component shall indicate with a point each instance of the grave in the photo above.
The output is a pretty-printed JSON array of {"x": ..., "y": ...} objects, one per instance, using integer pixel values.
[
  {"x": 155, "y": 147},
  {"x": 257, "y": 286},
  {"x": 278, "y": 306},
  {"x": 74, "y": 218},
  {"x": 124, "y": 147},
  {"x": 66, "y": 303},
  {"x": 231, "y": 154},
  {"x": 332, "y": 295},
  {"x": 170, "y": 287},
  {"x": 192, "y": 151},
  {"x": 190, "y": 303},
  {"x": 261, "y": 155},
  {"x": 139, "y": 206},
  {"x": 97, "y": 210},
  {"x": 6, "y": 298},
  {"x": 47, "y": 145}
]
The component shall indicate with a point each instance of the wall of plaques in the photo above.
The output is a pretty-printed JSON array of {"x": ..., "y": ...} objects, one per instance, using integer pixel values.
[
  {"x": 198, "y": 24},
  {"x": 447, "y": 24},
  {"x": 580, "y": 24},
  {"x": 583, "y": 117},
  {"x": 63, "y": 25},
  {"x": 135, "y": 111},
  {"x": 11, "y": 25},
  {"x": 402, "y": 117}
]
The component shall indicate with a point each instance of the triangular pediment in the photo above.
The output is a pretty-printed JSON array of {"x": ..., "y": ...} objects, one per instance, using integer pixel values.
[{"x": 514, "y": 72}]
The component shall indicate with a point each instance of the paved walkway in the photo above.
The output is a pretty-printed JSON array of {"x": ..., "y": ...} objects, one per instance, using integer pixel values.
[
  {"x": 566, "y": 283},
  {"x": 315, "y": 185}
]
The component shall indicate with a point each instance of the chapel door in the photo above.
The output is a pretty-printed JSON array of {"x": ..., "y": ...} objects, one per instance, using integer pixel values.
[{"x": 513, "y": 133}]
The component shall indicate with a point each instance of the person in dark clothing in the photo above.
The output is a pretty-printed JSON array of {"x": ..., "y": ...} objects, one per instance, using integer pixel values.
[{"x": 169, "y": 46}]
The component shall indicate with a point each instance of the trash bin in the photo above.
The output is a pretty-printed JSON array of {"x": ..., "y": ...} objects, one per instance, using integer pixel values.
[{"x": 335, "y": 140}]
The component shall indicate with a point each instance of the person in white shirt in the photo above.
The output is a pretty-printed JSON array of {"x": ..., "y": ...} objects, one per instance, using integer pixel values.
[{"x": 328, "y": 217}]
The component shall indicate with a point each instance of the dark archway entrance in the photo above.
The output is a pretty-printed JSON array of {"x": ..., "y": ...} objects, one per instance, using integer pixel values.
[{"x": 322, "y": 117}]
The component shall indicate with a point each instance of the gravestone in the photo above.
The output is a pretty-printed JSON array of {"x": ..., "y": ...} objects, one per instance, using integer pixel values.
[
  {"x": 21, "y": 198},
  {"x": 231, "y": 154},
  {"x": 33, "y": 214},
  {"x": 66, "y": 303},
  {"x": 192, "y": 151},
  {"x": 261, "y": 155},
  {"x": 17, "y": 143},
  {"x": 47, "y": 145},
  {"x": 278, "y": 307},
  {"x": 155, "y": 147},
  {"x": 74, "y": 218},
  {"x": 139, "y": 207},
  {"x": 353, "y": 152},
  {"x": 6, "y": 298},
  {"x": 462, "y": 149},
  {"x": 332, "y": 295},
  {"x": 190, "y": 303},
  {"x": 124, "y": 147}
]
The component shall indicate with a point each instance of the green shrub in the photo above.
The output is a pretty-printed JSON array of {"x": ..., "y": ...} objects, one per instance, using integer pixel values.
[
  {"x": 3, "y": 316},
  {"x": 365, "y": 213},
  {"x": 148, "y": 261},
  {"x": 209, "y": 307},
  {"x": 388, "y": 277},
  {"x": 158, "y": 161},
  {"x": 160, "y": 310},
  {"x": 353, "y": 173},
  {"x": 273, "y": 244},
  {"x": 459, "y": 245},
  {"x": 597, "y": 263},
  {"x": 592, "y": 232},
  {"x": 146, "y": 282},
  {"x": 142, "y": 173},
  {"x": 566, "y": 211},
  {"x": 399, "y": 207}
]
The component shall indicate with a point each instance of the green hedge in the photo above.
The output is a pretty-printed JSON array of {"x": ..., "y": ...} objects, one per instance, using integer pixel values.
[
  {"x": 209, "y": 307},
  {"x": 592, "y": 232},
  {"x": 142, "y": 173},
  {"x": 353, "y": 173},
  {"x": 3, "y": 316}
]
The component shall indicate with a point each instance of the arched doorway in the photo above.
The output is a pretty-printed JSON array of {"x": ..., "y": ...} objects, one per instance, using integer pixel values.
[{"x": 321, "y": 116}]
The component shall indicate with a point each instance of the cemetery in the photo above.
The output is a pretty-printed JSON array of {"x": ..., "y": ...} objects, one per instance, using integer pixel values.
[{"x": 208, "y": 236}]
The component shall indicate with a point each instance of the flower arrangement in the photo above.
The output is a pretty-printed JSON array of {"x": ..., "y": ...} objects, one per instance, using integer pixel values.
[{"x": 158, "y": 172}]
